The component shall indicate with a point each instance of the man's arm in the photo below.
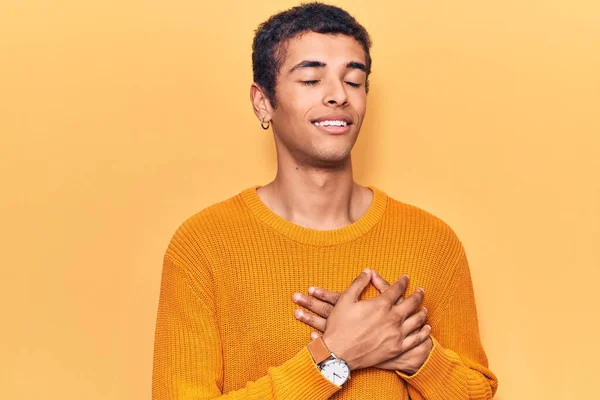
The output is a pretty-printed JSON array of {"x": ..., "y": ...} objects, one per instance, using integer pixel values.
[
  {"x": 187, "y": 353},
  {"x": 457, "y": 367},
  {"x": 451, "y": 363}
]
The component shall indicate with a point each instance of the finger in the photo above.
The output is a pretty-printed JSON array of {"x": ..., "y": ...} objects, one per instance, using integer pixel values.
[
  {"x": 311, "y": 320},
  {"x": 415, "y": 321},
  {"x": 358, "y": 285},
  {"x": 315, "y": 305},
  {"x": 412, "y": 357},
  {"x": 380, "y": 284},
  {"x": 415, "y": 339},
  {"x": 395, "y": 291},
  {"x": 325, "y": 295},
  {"x": 411, "y": 303}
]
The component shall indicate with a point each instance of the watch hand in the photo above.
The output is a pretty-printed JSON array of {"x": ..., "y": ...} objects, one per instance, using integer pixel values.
[{"x": 337, "y": 375}]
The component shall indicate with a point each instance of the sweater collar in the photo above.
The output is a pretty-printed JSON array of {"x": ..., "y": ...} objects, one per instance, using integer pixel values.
[{"x": 312, "y": 236}]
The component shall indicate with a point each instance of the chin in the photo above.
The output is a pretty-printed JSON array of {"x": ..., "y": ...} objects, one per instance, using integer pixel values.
[{"x": 332, "y": 158}]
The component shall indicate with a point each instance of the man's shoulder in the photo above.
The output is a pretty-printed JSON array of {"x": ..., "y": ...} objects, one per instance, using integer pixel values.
[
  {"x": 430, "y": 241},
  {"x": 216, "y": 215},
  {"x": 211, "y": 224},
  {"x": 417, "y": 221},
  {"x": 416, "y": 214}
]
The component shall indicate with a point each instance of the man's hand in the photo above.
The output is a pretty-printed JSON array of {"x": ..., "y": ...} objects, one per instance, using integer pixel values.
[{"x": 415, "y": 346}]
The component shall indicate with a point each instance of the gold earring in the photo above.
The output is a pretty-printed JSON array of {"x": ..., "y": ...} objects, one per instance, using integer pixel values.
[{"x": 262, "y": 124}]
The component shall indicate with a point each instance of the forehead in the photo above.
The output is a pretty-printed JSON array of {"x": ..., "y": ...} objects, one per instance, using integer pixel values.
[{"x": 324, "y": 47}]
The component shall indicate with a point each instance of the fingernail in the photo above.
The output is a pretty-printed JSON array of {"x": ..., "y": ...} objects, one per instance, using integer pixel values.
[
  {"x": 422, "y": 290},
  {"x": 296, "y": 297},
  {"x": 298, "y": 313},
  {"x": 374, "y": 272},
  {"x": 366, "y": 270},
  {"x": 311, "y": 290},
  {"x": 426, "y": 311}
]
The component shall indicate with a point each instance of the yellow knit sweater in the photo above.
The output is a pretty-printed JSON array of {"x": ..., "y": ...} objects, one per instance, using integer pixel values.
[{"x": 226, "y": 328}]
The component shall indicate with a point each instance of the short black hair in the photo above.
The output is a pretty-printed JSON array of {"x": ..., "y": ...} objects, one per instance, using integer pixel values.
[{"x": 268, "y": 47}]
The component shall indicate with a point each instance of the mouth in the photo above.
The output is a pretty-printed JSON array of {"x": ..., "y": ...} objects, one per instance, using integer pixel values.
[{"x": 335, "y": 125}]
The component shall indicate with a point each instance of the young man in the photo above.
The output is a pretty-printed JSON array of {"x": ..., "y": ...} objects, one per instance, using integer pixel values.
[{"x": 235, "y": 320}]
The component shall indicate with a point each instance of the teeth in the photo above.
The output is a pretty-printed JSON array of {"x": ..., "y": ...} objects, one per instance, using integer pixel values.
[{"x": 331, "y": 123}]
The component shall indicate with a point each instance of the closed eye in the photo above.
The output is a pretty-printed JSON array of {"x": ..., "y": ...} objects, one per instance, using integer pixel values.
[{"x": 314, "y": 82}]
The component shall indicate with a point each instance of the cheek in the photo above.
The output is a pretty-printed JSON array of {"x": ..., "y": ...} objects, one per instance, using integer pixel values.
[
  {"x": 360, "y": 103},
  {"x": 359, "y": 96},
  {"x": 297, "y": 108},
  {"x": 295, "y": 101},
  {"x": 292, "y": 112}
]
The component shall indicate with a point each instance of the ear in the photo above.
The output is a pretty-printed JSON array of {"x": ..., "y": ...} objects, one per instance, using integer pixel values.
[{"x": 260, "y": 103}]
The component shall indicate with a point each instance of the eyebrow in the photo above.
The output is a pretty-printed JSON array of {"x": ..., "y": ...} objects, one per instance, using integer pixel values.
[{"x": 321, "y": 64}]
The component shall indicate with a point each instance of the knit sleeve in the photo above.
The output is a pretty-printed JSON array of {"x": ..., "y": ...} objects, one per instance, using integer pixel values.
[
  {"x": 457, "y": 366},
  {"x": 188, "y": 362}
]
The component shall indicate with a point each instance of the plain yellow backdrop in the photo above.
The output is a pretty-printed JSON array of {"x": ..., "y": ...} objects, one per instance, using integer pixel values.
[{"x": 119, "y": 119}]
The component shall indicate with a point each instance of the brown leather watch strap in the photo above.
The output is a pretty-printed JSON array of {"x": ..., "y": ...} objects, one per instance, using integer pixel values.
[{"x": 318, "y": 350}]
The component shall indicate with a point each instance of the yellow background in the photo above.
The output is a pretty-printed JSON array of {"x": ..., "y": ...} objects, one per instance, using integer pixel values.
[{"x": 120, "y": 119}]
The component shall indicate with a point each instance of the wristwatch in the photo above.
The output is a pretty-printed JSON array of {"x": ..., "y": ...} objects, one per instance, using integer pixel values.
[{"x": 334, "y": 369}]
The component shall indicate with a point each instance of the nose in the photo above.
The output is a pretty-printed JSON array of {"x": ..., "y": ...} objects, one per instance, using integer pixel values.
[{"x": 335, "y": 94}]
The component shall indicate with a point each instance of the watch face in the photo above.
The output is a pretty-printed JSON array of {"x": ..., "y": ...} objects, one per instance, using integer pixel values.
[{"x": 336, "y": 371}]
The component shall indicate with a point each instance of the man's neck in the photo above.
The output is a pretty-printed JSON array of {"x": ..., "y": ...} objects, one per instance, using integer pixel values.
[{"x": 316, "y": 199}]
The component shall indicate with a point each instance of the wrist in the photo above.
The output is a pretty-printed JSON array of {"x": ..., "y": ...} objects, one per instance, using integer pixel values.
[
  {"x": 339, "y": 352},
  {"x": 333, "y": 368}
]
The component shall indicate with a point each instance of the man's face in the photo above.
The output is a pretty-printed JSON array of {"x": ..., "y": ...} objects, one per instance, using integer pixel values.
[{"x": 322, "y": 80}]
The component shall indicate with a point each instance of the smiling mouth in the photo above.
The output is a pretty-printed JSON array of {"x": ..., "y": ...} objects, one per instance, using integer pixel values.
[
  {"x": 333, "y": 127},
  {"x": 331, "y": 123}
]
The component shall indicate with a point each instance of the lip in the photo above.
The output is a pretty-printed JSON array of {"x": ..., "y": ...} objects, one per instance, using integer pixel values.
[
  {"x": 334, "y": 117},
  {"x": 334, "y": 130}
]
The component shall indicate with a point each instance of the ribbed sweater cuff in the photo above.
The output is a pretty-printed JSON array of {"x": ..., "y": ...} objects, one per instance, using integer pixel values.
[
  {"x": 299, "y": 378},
  {"x": 437, "y": 376}
]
